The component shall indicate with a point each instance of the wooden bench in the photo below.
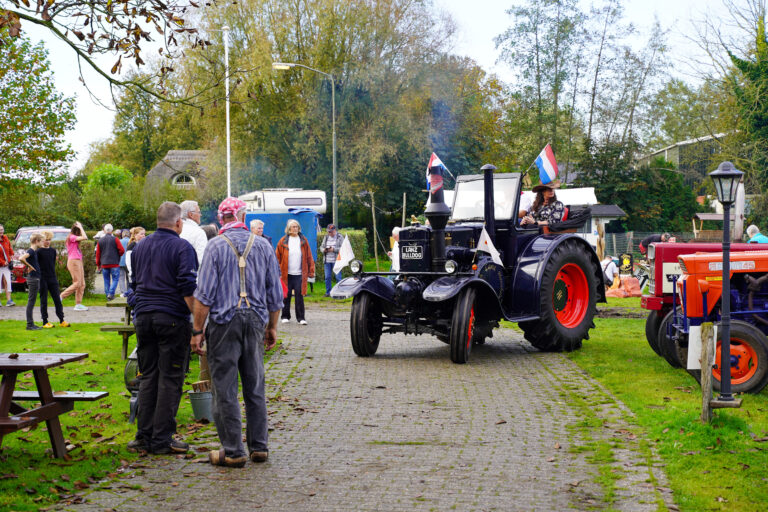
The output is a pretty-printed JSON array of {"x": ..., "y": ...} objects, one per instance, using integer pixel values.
[
  {"x": 126, "y": 331},
  {"x": 77, "y": 396},
  {"x": 14, "y": 423}
]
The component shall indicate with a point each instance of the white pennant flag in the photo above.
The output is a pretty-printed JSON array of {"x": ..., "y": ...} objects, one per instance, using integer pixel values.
[
  {"x": 345, "y": 256},
  {"x": 486, "y": 245}
]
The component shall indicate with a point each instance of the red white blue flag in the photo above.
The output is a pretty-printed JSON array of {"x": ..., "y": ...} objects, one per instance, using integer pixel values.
[
  {"x": 435, "y": 181},
  {"x": 547, "y": 165}
]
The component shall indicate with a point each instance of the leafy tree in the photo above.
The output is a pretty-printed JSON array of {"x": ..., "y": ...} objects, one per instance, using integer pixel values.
[
  {"x": 103, "y": 27},
  {"x": 33, "y": 115},
  {"x": 108, "y": 177}
]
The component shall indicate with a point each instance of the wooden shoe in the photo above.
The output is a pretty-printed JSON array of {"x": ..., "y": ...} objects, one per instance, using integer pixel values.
[
  {"x": 259, "y": 456},
  {"x": 219, "y": 458}
]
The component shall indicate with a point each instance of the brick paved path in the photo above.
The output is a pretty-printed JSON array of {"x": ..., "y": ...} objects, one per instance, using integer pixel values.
[{"x": 409, "y": 430}]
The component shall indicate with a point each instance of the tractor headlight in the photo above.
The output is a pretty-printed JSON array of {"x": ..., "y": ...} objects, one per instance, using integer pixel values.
[
  {"x": 451, "y": 266},
  {"x": 356, "y": 266},
  {"x": 651, "y": 252}
]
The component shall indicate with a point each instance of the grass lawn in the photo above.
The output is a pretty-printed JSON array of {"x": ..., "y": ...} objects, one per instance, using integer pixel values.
[
  {"x": 720, "y": 466},
  {"x": 29, "y": 477}
]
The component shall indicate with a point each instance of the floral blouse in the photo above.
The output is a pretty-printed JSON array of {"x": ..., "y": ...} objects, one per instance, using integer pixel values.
[{"x": 550, "y": 213}]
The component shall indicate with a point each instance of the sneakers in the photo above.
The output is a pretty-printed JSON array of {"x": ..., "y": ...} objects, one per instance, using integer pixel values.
[
  {"x": 175, "y": 446},
  {"x": 259, "y": 456},
  {"x": 219, "y": 458},
  {"x": 303, "y": 322},
  {"x": 34, "y": 328},
  {"x": 138, "y": 445},
  {"x": 48, "y": 325},
  {"x": 284, "y": 321},
  {"x": 64, "y": 324},
  {"x": 80, "y": 307},
  {"x": 110, "y": 297},
  {"x": 10, "y": 303}
]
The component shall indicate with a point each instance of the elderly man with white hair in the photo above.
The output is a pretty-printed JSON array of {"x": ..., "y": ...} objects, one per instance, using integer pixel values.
[
  {"x": 108, "y": 252},
  {"x": 755, "y": 237},
  {"x": 191, "y": 230}
]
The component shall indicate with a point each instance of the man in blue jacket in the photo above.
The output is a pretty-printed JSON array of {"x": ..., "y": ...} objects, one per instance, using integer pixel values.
[{"x": 164, "y": 279}]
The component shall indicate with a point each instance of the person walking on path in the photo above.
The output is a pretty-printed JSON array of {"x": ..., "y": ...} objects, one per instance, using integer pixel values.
[
  {"x": 108, "y": 252},
  {"x": 125, "y": 239},
  {"x": 755, "y": 237},
  {"x": 296, "y": 265},
  {"x": 164, "y": 279},
  {"x": 46, "y": 256},
  {"x": 331, "y": 245},
  {"x": 191, "y": 231},
  {"x": 75, "y": 266},
  {"x": 29, "y": 258},
  {"x": 242, "y": 304},
  {"x": 6, "y": 264}
]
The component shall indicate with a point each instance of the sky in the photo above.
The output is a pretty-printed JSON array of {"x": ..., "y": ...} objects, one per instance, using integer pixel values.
[{"x": 478, "y": 23}]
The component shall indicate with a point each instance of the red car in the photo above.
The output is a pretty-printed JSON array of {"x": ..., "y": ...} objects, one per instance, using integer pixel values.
[{"x": 21, "y": 244}]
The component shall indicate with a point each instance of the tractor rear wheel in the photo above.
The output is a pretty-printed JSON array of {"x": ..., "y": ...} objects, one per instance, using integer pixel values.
[
  {"x": 652, "y": 325},
  {"x": 569, "y": 289},
  {"x": 667, "y": 346},
  {"x": 463, "y": 326},
  {"x": 749, "y": 359},
  {"x": 366, "y": 325}
]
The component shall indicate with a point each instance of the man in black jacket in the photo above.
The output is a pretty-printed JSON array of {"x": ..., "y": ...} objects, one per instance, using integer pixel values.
[
  {"x": 647, "y": 241},
  {"x": 164, "y": 271}
]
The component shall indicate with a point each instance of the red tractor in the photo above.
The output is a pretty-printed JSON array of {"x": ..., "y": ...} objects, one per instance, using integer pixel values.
[
  {"x": 664, "y": 271},
  {"x": 699, "y": 291}
]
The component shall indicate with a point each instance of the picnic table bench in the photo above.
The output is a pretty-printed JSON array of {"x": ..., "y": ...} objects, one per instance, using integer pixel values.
[
  {"x": 127, "y": 329},
  {"x": 14, "y": 417}
]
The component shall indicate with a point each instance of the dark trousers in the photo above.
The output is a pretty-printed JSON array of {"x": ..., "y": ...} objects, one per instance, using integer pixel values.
[
  {"x": 33, "y": 287},
  {"x": 162, "y": 343},
  {"x": 238, "y": 347},
  {"x": 50, "y": 284},
  {"x": 294, "y": 285}
]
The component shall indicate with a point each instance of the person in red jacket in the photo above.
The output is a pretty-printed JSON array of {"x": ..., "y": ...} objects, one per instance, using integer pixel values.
[
  {"x": 108, "y": 252},
  {"x": 6, "y": 253},
  {"x": 296, "y": 265}
]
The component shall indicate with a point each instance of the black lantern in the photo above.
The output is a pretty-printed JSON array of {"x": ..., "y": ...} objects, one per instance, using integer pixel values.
[{"x": 726, "y": 179}]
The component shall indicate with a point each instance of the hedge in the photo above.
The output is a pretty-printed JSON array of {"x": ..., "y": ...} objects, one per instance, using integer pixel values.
[{"x": 358, "y": 239}]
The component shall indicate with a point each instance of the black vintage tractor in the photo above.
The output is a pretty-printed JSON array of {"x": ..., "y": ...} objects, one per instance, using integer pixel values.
[{"x": 545, "y": 279}]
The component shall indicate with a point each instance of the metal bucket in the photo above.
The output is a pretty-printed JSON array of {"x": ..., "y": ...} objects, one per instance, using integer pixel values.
[{"x": 202, "y": 402}]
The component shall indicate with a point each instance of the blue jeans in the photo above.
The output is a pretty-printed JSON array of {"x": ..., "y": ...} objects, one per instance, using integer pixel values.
[
  {"x": 111, "y": 276},
  {"x": 328, "y": 275}
]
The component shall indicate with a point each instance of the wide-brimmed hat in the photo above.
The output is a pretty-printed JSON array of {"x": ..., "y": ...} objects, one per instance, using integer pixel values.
[{"x": 552, "y": 185}]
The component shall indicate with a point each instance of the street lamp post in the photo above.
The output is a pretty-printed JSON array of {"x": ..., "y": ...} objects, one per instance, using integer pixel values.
[
  {"x": 288, "y": 65},
  {"x": 225, "y": 29},
  {"x": 726, "y": 179}
]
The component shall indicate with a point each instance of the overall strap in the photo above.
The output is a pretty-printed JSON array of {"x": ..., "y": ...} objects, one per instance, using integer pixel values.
[{"x": 241, "y": 258}]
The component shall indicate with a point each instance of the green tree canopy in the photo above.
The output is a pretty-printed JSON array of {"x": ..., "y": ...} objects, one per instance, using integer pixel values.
[{"x": 34, "y": 116}]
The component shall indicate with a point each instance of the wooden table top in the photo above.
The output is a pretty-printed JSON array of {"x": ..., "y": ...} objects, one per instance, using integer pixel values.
[
  {"x": 117, "y": 302},
  {"x": 36, "y": 361}
]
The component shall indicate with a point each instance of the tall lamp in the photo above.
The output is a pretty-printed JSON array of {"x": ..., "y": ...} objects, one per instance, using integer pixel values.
[
  {"x": 281, "y": 66},
  {"x": 726, "y": 179}
]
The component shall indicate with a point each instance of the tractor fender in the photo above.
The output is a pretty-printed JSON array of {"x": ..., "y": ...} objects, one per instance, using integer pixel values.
[
  {"x": 525, "y": 289},
  {"x": 445, "y": 288},
  {"x": 376, "y": 285}
]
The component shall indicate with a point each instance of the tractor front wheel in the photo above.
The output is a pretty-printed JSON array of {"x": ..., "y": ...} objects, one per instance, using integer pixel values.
[
  {"x": 652, "y": 325},
  {"x": 365, "y": 325},
  {"x": 749, "y": 359},
  {"x": 569, "y": 289},
  {"x": 667, "y": 346},
  {"x": 463, "y": 325}
]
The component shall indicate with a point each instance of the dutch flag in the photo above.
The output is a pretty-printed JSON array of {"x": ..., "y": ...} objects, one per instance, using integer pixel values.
[
  {"x": 547, "y": 165},
  {"x": 434, "y": 161}
]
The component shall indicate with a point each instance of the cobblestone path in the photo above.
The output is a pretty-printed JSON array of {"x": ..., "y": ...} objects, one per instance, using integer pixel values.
[{"x": 515, "y": 429}]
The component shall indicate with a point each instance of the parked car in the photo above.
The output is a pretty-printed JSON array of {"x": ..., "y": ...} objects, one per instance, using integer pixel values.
[{"x": 21, "y": 244}]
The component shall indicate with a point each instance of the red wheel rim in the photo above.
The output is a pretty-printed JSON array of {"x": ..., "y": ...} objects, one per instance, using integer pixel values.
[
  {"x": 471, "y": 326},
  {"x": 570, "y": 295},
  {"x": 743, "y": 361}
]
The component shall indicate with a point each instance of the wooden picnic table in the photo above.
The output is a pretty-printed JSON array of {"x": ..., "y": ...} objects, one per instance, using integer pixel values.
[
  {"x": 14, "y": 417},
  {"x": 127, "y": 329}
]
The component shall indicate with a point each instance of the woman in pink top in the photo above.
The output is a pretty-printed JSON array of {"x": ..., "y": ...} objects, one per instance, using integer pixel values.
[{"x": 75, "y": 266}]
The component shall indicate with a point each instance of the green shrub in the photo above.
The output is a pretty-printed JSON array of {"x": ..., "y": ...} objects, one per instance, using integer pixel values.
[{"x": 357, "y": 237}]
